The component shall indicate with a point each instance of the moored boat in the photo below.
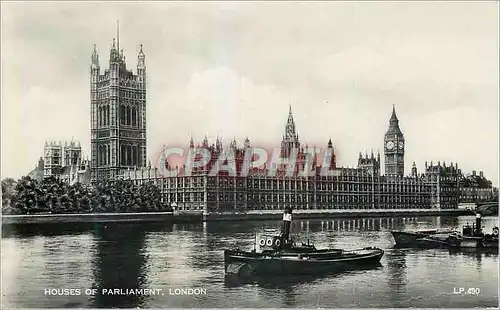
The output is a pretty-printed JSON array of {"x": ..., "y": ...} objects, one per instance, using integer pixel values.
[
  {"x": 411, "y": 238},
  {"x": 472, "y": 236},
  {"x": 282, "y": 255}
]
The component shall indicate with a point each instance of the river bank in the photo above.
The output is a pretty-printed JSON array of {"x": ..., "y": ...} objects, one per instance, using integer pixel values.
[{"x": 198, "y": 216}]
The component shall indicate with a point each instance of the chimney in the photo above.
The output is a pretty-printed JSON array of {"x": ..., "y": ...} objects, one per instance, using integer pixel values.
[
  {"x": 287, "y": 222},
  {"x": 478, "y": 225}
]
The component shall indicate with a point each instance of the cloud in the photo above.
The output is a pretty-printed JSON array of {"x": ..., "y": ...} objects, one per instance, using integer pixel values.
[{"x": 219, "y": 101}]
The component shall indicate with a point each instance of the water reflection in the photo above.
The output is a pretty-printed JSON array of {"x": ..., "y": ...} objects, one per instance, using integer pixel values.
[
  {"x": 119, "y": 262},
  {"x": 475, "y": 254},
  {"x": 397, "y": 273},
  {"x": 46, "y": 230},
  {"x": 148, "y": 255},
  {"x": 209, "y": 228}
]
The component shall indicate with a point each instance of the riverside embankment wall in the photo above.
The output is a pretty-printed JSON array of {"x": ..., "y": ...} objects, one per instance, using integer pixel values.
[{"x": 183, "y": 217}]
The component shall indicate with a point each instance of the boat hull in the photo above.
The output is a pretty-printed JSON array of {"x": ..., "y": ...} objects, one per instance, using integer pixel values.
[
  {"x": 475, "y": 243},
  {"x": 404, "y": 238},
  {"x": 422, "y": 240},
  {"x": 247, "y": 263}
]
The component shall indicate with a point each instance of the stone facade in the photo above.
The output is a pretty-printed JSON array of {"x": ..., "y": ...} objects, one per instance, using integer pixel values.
[
  {"x": 348, "y": 188},
  {"x": 118, "y": 114},
  {"x": 69, "y": 174}
]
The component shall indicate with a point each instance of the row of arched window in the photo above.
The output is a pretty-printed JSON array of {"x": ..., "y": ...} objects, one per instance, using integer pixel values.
[
  {"x": 129, "y": 155},
  {"x": 103, "y": 117},
  {"x": 104, "y": 155},
  {"x": 128, "y": 116}
]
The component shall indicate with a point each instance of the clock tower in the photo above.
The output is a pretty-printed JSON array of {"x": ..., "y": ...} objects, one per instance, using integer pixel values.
[{"x": 394, "y": 147}]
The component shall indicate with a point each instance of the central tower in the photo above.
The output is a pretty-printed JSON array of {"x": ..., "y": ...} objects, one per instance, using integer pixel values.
[
  {"x": 118, "y": 114},
  {"x": 394, "y": 147},
  {"x": 290, "y": 138}
]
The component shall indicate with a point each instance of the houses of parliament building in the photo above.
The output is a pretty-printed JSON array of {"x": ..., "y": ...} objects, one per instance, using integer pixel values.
[
  {"x": 118, "y": 152},
  {"x": 363, "y": 187}
]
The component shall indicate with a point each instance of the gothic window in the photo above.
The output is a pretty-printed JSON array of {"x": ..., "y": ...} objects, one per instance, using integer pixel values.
[
  {"x": 99, "y": 155},
  {"x": 122, "y": 114},
  {"x": 106, "y": 155},
  {"x": 104, "y": 115},
  {"x": 128, "y": 156},
  {"x": 100, "y": 116},
  {"x": 107, "y": 115},
  {"x": 122, "y": 155},
  {"x": 127, "y": 118},
  {"x": 134, "y": 155},
  {"x": 134, "y": 117}
]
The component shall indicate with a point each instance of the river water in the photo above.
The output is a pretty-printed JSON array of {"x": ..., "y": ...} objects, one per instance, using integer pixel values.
[{"x": 172, "y": 257}]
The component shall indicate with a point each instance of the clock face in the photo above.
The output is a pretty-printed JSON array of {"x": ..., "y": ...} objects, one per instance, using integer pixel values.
[
  {"x": 401, "y": 145},
  {"x": 390, "y": 145}
]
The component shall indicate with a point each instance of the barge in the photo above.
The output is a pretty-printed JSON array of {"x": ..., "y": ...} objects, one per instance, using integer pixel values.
[{"x": 472, "y": 236}]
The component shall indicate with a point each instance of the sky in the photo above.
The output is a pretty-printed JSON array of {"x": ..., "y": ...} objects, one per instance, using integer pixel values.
[{"x": 232, "y": 69}]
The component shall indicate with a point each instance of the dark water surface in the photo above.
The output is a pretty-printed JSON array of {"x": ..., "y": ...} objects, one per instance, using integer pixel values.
[{"x": 170, "y": 257}]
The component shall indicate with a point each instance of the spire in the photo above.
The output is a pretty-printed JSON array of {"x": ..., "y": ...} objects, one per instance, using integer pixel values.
[
  {"x": 330, "y": 144},
  {"x": 118, "y": 35},
  {"x": 205, "y": 141},
  {"x": 394, "y": 118},
  {"x": 291, "y": 135},
  {"x": 394, "y": 124},
  {"x": 140, "y": 58},
  {"x": 233, "y": 144},
  {"x": 290, "y": 115},
  {"x": 95, "y": 57}
]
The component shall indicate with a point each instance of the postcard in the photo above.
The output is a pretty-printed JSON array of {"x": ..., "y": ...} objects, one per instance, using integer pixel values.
[{"x": 250, "y": 154}]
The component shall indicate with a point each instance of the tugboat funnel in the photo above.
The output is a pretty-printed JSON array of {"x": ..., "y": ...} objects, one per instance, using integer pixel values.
[
  {"x": 287, "y": 222},
  {"x": 478, "y": 224}
]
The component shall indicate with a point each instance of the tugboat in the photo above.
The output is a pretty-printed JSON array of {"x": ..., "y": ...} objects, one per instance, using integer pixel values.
[
  {"x": 471, "y": 237},
  {"x": 281, "y": 255}
]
